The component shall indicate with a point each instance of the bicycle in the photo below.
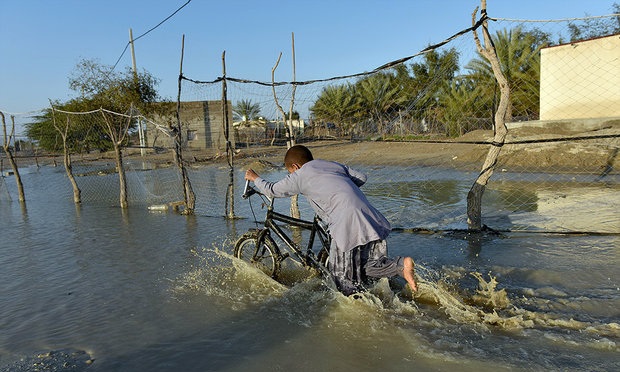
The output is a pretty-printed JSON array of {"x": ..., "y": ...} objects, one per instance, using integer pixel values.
[{"x": 258, "y": 247}]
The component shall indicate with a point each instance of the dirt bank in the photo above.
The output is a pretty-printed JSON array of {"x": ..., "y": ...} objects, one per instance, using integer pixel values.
[
  {"x": 532, "y": 149},
  {"x": 550, "y": 149}
]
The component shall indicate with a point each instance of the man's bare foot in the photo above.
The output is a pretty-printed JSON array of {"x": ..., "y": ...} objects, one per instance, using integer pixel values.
[{"x": 409, "y": 273}]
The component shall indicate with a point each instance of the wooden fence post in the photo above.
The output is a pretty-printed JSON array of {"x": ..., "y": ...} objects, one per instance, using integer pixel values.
[{"x": 474, "y": 196}]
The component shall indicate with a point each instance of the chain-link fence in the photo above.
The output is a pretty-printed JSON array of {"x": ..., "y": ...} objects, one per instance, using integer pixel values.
[{"x": 421, "y": 127}]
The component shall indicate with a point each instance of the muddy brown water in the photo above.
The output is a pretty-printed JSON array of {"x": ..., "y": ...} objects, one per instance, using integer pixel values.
[{"x": 158, "y": 291}]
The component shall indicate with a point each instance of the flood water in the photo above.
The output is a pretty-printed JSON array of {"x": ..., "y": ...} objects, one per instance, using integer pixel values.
[{"x": 141, "y": 290}]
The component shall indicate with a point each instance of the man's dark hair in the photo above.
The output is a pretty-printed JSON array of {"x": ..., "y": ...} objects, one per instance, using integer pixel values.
[{"x": 297, "y": 154}]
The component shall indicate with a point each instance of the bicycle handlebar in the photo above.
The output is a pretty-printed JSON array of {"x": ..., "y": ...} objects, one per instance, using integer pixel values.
[{"x": 248, "y": 190}]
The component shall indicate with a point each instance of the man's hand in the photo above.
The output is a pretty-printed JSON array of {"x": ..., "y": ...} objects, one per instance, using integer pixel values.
[{"x": 250, "y": 175}]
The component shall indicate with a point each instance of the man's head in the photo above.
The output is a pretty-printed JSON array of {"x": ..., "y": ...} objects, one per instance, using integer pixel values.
[{"x": 296, "y": 157}]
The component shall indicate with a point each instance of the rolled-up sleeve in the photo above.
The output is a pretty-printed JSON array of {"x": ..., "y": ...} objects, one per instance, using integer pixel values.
[{"x": 288, "y": 186}]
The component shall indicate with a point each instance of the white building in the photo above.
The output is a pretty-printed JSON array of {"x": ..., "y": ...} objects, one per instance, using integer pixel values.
[{"x": 581, "y": 80}]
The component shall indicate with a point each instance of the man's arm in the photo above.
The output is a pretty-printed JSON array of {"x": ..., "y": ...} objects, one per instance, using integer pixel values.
[{"x": 284, "y": 188}]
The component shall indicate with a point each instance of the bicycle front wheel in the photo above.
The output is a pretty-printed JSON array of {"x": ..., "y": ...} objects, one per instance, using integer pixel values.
[{"x": 264, "y": 257}]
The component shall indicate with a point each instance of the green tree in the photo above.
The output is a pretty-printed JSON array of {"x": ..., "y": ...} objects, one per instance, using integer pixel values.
[
  {"x": 98, "y": 87},
  {"x": 519, "y": 56},
  {"x": 336, "y": 104},
  {"x": 245, "y": 110},
  {"x": 105, "y": 92},
  {"x": 456, "y": 106},
  {"x": 596, "y": 27},
  {"x": 388, "y": 97},
  {"x": 293, "y": 115},
  {"x": 380, "y": 98},
  {"x": 426, "y": 79}
]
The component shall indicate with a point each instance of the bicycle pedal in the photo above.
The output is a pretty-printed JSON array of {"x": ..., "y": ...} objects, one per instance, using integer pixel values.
[{"x": 285, "y": 256}]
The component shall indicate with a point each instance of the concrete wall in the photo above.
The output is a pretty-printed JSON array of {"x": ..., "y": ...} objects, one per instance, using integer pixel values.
[
  {"x": 202, "y": 124},
  {"x": 581, "y": 80}
]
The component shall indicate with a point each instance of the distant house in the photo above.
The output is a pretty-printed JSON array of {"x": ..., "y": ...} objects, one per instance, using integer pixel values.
[
  {"x": 581, "y": 80},
  {"x": 202, "y": 124},
  {"x": 279, "y": 127},
  {"x": 249, "y": 131},
  {"x": 256, "y": 131}
]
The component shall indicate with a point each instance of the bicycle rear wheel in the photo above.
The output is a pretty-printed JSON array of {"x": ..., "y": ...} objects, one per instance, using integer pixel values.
[{"x": 265, "y": 257}]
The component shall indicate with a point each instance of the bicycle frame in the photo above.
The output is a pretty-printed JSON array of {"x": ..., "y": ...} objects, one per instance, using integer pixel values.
[{"x": 315, "y": 227}]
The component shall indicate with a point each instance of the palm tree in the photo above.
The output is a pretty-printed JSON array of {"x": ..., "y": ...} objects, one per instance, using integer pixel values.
[
  {"x": 380, "y": 97},
  {"x": 428, "y": 79},
  {"x": 519, "y": 55},
  {"x": 245, "y": 110},
  {"x": 337, "y": 104},
  {"x": 456, "y": 105}
]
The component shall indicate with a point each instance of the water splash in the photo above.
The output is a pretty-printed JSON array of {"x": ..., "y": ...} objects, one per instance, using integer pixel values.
[
  {"x": 215, "y": 272},
  {"x": 304, "y": 299}
]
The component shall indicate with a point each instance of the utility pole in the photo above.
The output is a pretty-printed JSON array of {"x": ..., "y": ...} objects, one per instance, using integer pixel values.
[{"x": 135, "y": 75}]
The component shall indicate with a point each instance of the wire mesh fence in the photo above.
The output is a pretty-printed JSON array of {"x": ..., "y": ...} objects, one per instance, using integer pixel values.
[{"x": 420, "y": 127}]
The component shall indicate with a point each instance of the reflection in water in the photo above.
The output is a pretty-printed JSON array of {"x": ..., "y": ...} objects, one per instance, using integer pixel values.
[
  {"x": 434, "y": 192},
  {"x": 547, "y": 207},
  {"x": 230, "y": 195},
  {"x": 512, "y": 198},
  {"x": 4, "y": 191}
]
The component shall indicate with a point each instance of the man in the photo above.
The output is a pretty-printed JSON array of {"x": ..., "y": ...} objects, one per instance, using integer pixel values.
[{"x": 358, "y": 230}]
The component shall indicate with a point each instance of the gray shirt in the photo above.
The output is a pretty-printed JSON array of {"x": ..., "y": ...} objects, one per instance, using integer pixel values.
[{"x": 333, "y": 192}]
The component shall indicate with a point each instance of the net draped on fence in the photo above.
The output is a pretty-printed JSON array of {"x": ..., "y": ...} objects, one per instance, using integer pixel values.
[{"x": 420, "y": 128}]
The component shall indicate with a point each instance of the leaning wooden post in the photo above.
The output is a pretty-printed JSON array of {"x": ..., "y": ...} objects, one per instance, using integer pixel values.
[
  {"x": 474, "y": 197},
  {"x": 64, "y": 134},
  {"x": 230, "y": 197},
  {"x": 225, "y": 119},
  {"x": 9, "y": 155},
  {"x": 117, "y": 136},
  {"x": 291, "y": 139},
  {"x": 291, "y": 142},
  {"x": 188, "y": 192},
  {"x": 288, "y": 123},
  {"x": 275, "y": 99}
]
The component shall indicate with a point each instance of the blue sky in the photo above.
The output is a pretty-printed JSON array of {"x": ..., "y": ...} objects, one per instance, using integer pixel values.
[{"x": 41, "y": 41}]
